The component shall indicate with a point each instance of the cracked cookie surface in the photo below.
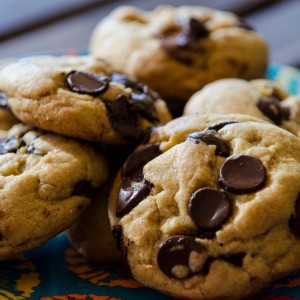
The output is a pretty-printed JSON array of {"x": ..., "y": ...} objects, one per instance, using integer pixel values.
[
  {"x": 81, "y": 97},
  {"x": 177, "y": 50},
  {"x": 46, "y": 183},
  {"x": 209, "y": 208}
]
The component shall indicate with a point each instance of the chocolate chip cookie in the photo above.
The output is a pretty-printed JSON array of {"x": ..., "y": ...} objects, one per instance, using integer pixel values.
[
  {"x": 47, "y": 181},
  {"x": 260, "y": 98},
  {"x": 81, "y": 97},
  {"x": 209, "y": 208},
  {"x": 177, "y": 50}
]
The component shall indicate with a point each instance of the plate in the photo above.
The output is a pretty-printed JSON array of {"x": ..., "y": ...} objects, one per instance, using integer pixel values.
[{"x": 56, "y": 270}]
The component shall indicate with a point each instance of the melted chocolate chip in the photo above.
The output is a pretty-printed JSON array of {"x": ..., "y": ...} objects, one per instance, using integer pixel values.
[
  {"x": 122, "y": 118},
  {"x": 209, "y": 208},
  {"x": 179, "y": 43},
  {"x": 294, "y": 222},
  {"x": 11, "y": 144},
  {"x": 131, "y": 193},
  {"x": 271, "y": 107},
  {"x": 144, "y": 106},
  {"x": 84, "y": 188},
  {"x": 133, "y": 166},
  {"x": 174, "y": 256},
  {"x": 142, "y": 97},
  {"x": 194, "y": 30},
  {"x": 242, "y": 174},
  {"x": 210, "y": 137},
  {"x": 4, "y": 101},
  {"x": 220, "y": 125},
  {"x": 87, "y": 83}
]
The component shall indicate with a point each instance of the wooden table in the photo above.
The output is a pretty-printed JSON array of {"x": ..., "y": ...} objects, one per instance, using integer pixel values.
[{"x": 35, "y": 26}]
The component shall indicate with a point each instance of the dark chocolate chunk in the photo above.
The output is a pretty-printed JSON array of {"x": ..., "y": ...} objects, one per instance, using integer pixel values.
[
  {"x": 235, "y": 259},
  {"x": 133, "y": 166},
  {"x": 131, "y": 193},
  {"x": 87, "y": 83},
  {"x": 135, "y": 85},
  {"x": 294, "y": 222},
  {"x": 209, "y": 208},
  {"x": 11, "y": 144},
  {"x": 4, "y": 102},
  {"x": 220, "y": 125},
  {"x": 175, "y": 252},
  {"x": 271, "y": 107},
  {"x": 144, "y": 106},
  {"x": 122, "y": 118},
  {"x": 178, "y": 43},
  {"x": 194, "y": 30},
  {"x": 210, "y": 137},
  {"x": 242, "y": 174},
  {"x": 142, "y": 98},
  {"x": 84, "y": 188}
]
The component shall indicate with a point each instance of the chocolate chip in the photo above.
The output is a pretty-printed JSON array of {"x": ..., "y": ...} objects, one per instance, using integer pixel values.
[
  {"x": 209, "y": 208},
  {"x": 210, "y": 137},
  {"x": 271, "y": 107},
  {"x": 133, "y": 166},
  {"x": 135, "y": 85},
  {"x": 220, "y": 125},
  {"x": 242, "y": 174},
  {"x": 294, "y": 222},
  {"x": 84, "y": 188},
  {"x": 144, "y": 106},
  {"x": 131, "y": 193},
  {"x": 87, "y": 83},
  {"x": 122, "y": 118},
  {"x": 178, "y": 43},
  {"x": 11, "y": 144},
  {"x": 174, "y": 257},
  {"x": 194, "y": 30},
  {"x": 142, "y": 97}
]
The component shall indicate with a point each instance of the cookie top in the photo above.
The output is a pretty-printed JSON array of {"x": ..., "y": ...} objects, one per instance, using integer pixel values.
[
  {"x": 209, "y": 208},
  {"x": 46, "y": 182},
  {"x": 177, "y": 50},
  {"x": 261, "y": 98},
  {"x": 80, "y": 96}
]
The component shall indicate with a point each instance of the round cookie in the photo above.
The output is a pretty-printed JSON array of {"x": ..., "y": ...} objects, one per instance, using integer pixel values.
[
  {"x": 260, "y": 98},
  {"x": 91, "y": 234},
  {"x": 209, "y": 208},
  {"x": 80, "y": 96},
  {"x": 177, "y": 50},
  {"x": 46, "y": 182}
]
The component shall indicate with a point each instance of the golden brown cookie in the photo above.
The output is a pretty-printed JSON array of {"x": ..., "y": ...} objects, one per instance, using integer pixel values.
[
  {"x": 260, "y": 98},
  {"x": 46, "y": 183},
  {"x": 177, "y": 50},
  {"x": 81, "y": 97},
  {"x": 209, "y": 208}
]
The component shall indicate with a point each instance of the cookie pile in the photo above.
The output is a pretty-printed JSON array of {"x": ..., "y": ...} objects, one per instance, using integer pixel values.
[{"x": 204, "y": 206}]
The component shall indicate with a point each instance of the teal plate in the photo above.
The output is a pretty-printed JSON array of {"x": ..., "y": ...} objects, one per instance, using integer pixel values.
[{"x": 56, "y": 271}]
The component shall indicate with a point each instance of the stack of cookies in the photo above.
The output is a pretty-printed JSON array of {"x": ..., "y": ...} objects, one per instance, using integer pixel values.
[{"x": 165, "y": 148}]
